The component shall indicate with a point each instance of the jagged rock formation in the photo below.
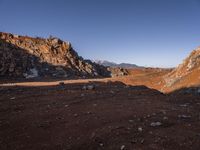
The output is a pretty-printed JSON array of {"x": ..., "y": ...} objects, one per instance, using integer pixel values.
[
  {"x": 186, "y": 74},
  {"x": 22, "y": 56}
]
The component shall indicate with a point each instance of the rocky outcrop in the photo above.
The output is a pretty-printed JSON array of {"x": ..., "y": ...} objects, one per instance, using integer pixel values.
[
  {"x": 117, "y": 71},
  {"x": 186, "y": 74},
  {"x": 23, "y": 56},
  {"x": 190, "y": 63}
]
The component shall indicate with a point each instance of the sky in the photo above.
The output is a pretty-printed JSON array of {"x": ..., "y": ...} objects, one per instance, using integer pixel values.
[{"x": 154, "y": 33}]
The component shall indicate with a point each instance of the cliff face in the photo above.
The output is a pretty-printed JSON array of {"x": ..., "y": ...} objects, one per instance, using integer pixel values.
[{"x": 22, "y": 56}]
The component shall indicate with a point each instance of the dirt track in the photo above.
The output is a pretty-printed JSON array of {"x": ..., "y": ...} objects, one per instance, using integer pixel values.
[{"x": 111, "y": 116}]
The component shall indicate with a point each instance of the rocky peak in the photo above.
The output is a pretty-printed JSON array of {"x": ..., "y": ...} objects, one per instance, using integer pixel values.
[
  {"x": 188, "y": 66},
  {"x": 23, "y": 56},
  {"x": 190, "y": 63}
]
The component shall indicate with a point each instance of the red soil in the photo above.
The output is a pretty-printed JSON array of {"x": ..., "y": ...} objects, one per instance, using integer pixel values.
[{"x": 48, "y": 116}]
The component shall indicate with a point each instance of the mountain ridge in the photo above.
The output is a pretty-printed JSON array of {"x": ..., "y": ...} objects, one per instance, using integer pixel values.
[{"x": 113, "y": 64}]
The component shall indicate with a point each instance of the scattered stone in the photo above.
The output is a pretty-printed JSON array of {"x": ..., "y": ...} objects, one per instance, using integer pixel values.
[
  {"x": 101, "y": 144},
  {"x": 198, "y": 91},
  {"x": 84, "y": 87},
  {"x": 163, "y": 112},
  {"x": 165, "y": 118},
  {"x": 142, "y": 141},
  {"x": 75, "y": 115},
  {"x": 122, "y": 147},
  {"x": 184, "y": 105},
  {"x": 32, "y": 73},
  {"x": 153, "y": 114},
  {"x": 184, "y": 116},
  {"x": 140, "y": 129},
  {"x": 131, "y": 121},
  {"x": 12, "y": 98},
  {"x": 156, "y": 124},
  {"x": 112, "y": 92},
  {"x": 127, "y": 86},
  {"x": 150, "y": 132},
  {"x": 88, "y": 87}
]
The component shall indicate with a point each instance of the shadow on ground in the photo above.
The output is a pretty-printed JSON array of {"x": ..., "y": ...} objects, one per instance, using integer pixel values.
[{"x": 107, "y": 116}]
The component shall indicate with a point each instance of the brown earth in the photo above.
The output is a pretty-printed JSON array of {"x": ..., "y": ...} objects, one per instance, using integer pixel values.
[{"x": 107, "y": 114}]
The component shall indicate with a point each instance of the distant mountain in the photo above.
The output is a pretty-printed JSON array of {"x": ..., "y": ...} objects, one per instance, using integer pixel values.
[
  {"x": 112, "y": 64},
  {"x": 105, "y": 63}
]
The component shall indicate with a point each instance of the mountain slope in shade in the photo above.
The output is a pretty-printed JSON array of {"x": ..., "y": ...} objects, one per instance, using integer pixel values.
[
  {"x": 186, "y": 74},
  {"x": 22, "y": 56},
  {"x": 112, "y": 64}
]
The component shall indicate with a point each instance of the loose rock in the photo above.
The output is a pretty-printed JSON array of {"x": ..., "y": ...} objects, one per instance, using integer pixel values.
[{"x": 156, "y": 124}]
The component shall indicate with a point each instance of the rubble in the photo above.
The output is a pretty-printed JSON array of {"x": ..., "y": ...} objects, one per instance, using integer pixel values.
[
  {"x": 184, "y": 116},
  {"x": 156, "y": 124},
  {"x": 32, "y": 73},
  {"x": 122, "y": 147},
  {"x": 88, "y": 87},
  {"x": 140, "y": 129}
]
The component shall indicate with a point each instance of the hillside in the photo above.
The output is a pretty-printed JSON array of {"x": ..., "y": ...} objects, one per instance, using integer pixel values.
[
  {"x": 186, "y": 74},
  {"x": 23, "y": 56}
]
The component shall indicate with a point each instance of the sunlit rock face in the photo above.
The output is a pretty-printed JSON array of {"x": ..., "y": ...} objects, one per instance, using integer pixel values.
[
  {"x": 23, "y": 56},
  {"x": 186, "y": 74}
]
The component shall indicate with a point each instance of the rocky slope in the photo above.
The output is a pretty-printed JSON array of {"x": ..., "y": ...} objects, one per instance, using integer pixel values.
[
  {"x": 186, "y": 74},
  {"x": 22, "y": 56}
]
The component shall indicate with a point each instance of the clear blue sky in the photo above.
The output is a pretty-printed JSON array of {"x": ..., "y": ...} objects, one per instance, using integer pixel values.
[{"x": 144, "y": 32}]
